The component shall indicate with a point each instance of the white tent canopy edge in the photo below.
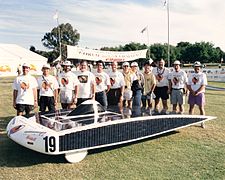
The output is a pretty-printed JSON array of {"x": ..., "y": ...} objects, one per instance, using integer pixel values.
[{"x": 12, "y": 55}]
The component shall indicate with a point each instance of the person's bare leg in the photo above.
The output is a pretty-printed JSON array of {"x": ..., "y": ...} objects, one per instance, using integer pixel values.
[
  {"x": 129, "y": 104},
  {"x": 174, "y": 111},
  {"x": 156, "y": 105},
  {"x": 165, "y": 106},
  {"x": 191, "y": 108},
  {"x": 181, "y": 108},
  {"x": 202, "y": 112}
]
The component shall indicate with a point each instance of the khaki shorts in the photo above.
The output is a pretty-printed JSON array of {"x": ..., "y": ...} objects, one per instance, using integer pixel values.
[{"x": 177, "y": 96}]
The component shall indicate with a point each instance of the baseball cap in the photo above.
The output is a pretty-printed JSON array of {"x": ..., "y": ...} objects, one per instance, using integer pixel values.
[
  {"x": 26, "y": 65},
  {"x": 47, "y": 66},
  {"x": 176, "y": 62},
  {"x": 67, "y": 63},
  {"x": 197, "y": 64},
  {"x": 126, "y": 64},
  {"x": 134, "y": 64}
]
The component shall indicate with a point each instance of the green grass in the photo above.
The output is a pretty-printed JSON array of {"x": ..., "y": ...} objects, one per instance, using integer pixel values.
[{"x": 190, "y": 153}]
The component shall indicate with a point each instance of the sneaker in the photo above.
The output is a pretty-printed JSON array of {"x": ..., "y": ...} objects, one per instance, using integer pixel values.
[
  {"x": 156, "y": 112},
  {"x": 173, "y": 112},
  {"x": 203, "y": 125},
  {"x": 163, "y": 112}
]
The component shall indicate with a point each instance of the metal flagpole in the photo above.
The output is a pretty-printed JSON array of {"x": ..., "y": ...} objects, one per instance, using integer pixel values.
[
  {"x": 149, "y": 48},
  {"x": 168, "y": 33},
  {"x": 59, "y": 34}
]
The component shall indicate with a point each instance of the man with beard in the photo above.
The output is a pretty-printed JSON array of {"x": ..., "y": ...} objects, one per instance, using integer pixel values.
[
  {"x": 25, "y": 92},
  {"x": 196, "y": 84},
  {"x": 177, "y": 88},
  {"x": 102, "y": 85},
  {"x": 87, "y": 83},
  {"x": 68, "y": 84},
  {"x": 161, "y": 90}
]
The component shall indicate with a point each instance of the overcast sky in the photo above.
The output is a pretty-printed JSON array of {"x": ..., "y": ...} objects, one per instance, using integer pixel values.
[{"x": 114, "y": 22}]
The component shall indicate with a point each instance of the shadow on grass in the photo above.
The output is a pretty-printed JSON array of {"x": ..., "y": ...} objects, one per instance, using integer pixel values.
[
  {"x": 3, "y": 123},
  {"x": 15, "y": 155}
]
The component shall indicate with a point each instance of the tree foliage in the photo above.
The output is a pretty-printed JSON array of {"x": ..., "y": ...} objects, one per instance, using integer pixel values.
[{"x": 68, "y": 36}]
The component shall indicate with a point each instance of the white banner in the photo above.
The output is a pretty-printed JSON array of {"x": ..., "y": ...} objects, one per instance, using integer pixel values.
[{"x": 75, "y": 52}]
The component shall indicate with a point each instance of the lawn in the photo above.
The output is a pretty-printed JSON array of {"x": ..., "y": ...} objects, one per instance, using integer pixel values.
[{"x": 190, "y": 153}]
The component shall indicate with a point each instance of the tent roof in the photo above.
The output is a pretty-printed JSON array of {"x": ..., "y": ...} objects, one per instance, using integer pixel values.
[{"x": 15, "y": 52}]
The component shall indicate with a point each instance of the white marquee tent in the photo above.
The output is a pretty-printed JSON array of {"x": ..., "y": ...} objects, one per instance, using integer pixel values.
[{"x": 12, "y": 55}]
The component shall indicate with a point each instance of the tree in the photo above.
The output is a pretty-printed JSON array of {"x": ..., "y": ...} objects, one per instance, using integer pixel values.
[
  {"x": 200, "y": 51},
  {"x": 68, "y": 36},
  {"x": 158, "y": 51}
]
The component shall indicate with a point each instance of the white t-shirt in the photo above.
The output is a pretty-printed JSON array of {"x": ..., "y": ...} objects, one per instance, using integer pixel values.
[
  {"x": 67, "y": 81},
  {"x": 25, "y": 84},
  {"x": 161, "y": 76},
  {"x": 86, "y": 79},
  {"x": 178, "y": 79},
  {"x": 47, "y": 85},
  {"x": 102, "y": 81},
  {"x": 116, "y": 79},
  {"x": 196, "y": 80}
]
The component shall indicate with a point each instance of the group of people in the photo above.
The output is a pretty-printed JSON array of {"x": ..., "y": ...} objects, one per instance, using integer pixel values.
[{"x": 128, "y": 88}]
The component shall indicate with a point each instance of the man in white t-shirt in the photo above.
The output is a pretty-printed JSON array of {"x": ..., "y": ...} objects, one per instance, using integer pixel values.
[
  {"x": 48, "y": 90},
  {"x": 25, "y": 92},
  {"x": 196, "y": 84},
  {"x": 87, "y": 83},
  {"x": 161, "y": 90},
  {"x": 102, "y": 85},
  {"x": 116, "y": 92},
  {"x": 177, "y": 87},
  {"x": 68, "y": 84}
]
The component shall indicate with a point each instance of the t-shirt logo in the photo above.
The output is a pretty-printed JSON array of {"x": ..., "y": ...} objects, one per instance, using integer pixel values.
[
  {"x": 24, "y": 85},
  {"x": 98, "y": 80},
  {"x": 46, "y": 86},
  {"x": 64, "y": 81},
  {"x": 112, "y": 81},
  {"x": 195, "y": 80},
  {"x": 175, "y": 80},
  {"x": 83, "y": 78},
  {"x": 159, "y": 77}
]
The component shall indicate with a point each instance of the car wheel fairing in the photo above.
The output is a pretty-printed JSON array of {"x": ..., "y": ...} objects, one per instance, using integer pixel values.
[{"x": 76, "y": 157}]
